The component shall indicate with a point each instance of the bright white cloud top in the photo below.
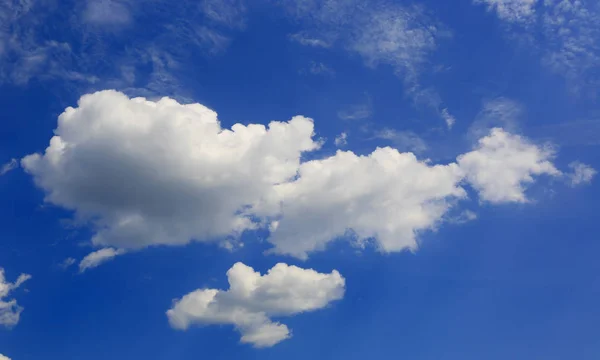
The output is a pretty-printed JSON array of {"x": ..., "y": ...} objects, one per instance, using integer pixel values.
[
  {"x": 2, "y": 357},
  {"x": 503, "y": 164},
  {"x": 10, "y": 311},
  {"x": 150, "y": 173},
  {"x": 253, "y": 299}
]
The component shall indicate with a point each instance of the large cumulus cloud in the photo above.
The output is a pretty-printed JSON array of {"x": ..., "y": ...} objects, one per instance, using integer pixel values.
[{"x": 162, "y": 173}]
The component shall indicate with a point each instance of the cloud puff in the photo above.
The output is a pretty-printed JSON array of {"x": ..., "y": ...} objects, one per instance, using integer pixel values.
[
  {"x": 2, "y": 357},
  {"x": 147, "y": 173},
  {"x": 511, "y": 10},
  {"x": 10, "y": 311},
  {"x": 341, "y": 140},
  {"x": 581, "y": 173},
  {"x": 161, "y": 172},
  {"x": 98, "y": 257},
  {"x": 252, "y": 300},
  {"x": 503, "y": 164},
  {"x": 386, "y": 195}
]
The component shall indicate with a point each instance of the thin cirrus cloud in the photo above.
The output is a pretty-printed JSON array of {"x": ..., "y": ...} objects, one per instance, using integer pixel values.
[
  {"x": 381, "y": 33},
  {"x": 253, "y": 299},
  {"x": 565, "y": 33},
  {"x": 10, "y": 311},
  {"x": 146, "y": 173}
]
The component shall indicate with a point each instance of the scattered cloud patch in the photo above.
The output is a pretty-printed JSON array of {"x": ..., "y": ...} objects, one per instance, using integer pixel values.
[
  {"x": 9, "y": 166},
  {"x": 10, "y": 311},
  {"x": 231, "y": 13},
  {"x": 359, "y": 111},
  {"x": 99, "y": 257},
  {"x": 252, "y": 300},
  {"x": 341, "y": 140},
  {"x": 448, "y": 118},
  {"x": 511, "y": 10},
  {"x": 496, "y": 113},
  {"x": 107, "y": 12},
  {"x": 580, "y": 174},
  {"x": 565, "y": 33}
]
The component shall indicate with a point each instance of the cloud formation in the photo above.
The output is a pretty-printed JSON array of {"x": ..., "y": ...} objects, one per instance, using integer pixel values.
[
  {"x": 148, "y": 173},
  {"x": 581, "y": 173},
  {"x": 2, "y": 357},
  {"x": 252, "y": 300},
  {"x": 10, "y": 311},
  {"x": 564, "y": 32},
  {"x": 98, "y": 257},
  {"x": 503, "y": 164}
]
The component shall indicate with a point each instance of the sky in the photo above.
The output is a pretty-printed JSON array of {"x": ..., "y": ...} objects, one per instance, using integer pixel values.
[{"x": 298, "y": 179}]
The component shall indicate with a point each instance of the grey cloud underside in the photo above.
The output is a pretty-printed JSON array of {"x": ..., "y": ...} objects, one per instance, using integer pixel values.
[{"x": 146, "y": 173}]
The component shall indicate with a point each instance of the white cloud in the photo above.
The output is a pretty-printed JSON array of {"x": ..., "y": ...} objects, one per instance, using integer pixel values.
[
  {"x": 99, "y": 257},
  {"x": 160, "y": 172},
  {"x": 147, "y": 173},
  {"x": 231, "y": 13},
  {"x": 397, "y": 36},
  {"x": 10, "y": 311},
  {"x": 448, "y": 118},
  {"x": 341, "y": 140},
  {"x": 253, "y": 299},
  {"x": 387, "y": 196},
  {"x": 564, "y": 32},
  {"x": 2, "y": 357},
  {"x": 511, "y": 10},
  {"x": 503, "y": 164},
  {"x": 581, "y": 173},
  {"x": 9, "y": 166}
]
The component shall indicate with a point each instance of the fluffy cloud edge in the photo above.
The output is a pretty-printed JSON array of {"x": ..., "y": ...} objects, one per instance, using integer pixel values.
[{"x": 252, "y": 300}]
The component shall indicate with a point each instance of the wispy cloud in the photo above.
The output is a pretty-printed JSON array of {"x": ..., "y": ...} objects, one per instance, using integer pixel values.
[
  {"x": 9, "y": 166},
  {"x": 402, "y": 140},
  {"x": 303, "y": 38},
  {"x": 565, "y": 33},
  {"x": 341, "y": 140},
  {"x": 380, "y": 32},
  {"x": 356, "y": 112}
]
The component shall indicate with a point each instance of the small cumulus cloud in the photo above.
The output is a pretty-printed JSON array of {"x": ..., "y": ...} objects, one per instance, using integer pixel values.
[
  {"x": 341, "y": 140},
  {"x": 580, "y": 174},
  {"x": 253, "y": 299}
]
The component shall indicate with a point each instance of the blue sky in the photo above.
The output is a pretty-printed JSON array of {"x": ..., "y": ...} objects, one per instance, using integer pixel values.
[{"x": 299, "y": 179}]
